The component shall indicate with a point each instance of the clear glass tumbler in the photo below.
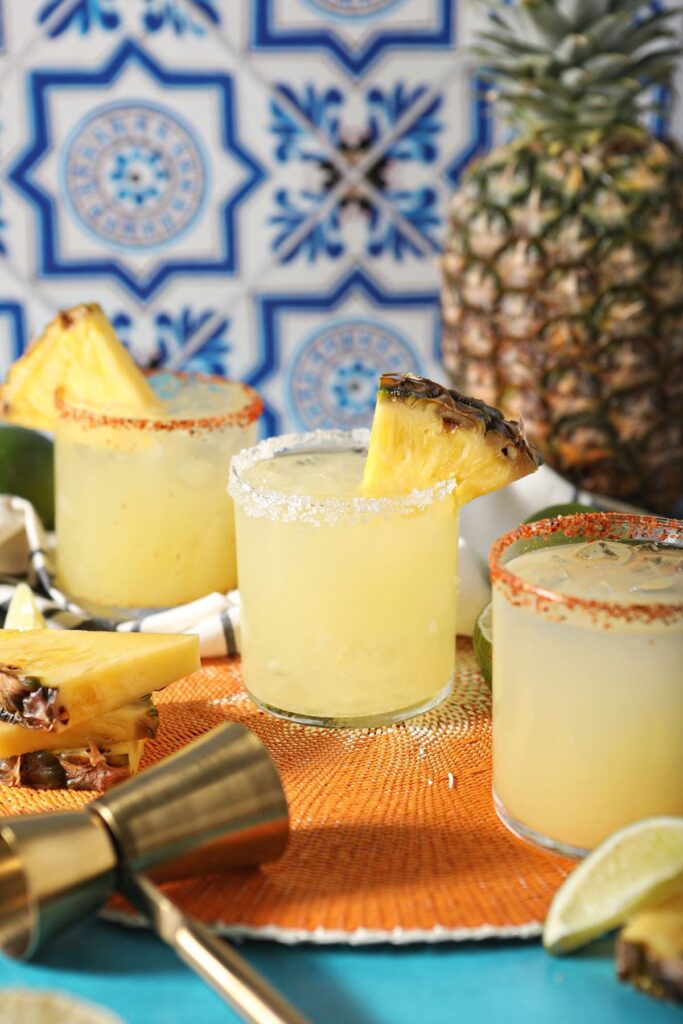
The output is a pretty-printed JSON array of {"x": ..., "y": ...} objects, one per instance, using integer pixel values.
[
  {"x": 348, "y": 603},
  {"x": 143, "y": 518},
  {"x": 587, "y": 676}
]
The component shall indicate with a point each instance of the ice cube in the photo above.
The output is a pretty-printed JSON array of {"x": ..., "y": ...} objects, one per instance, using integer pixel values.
[
  {"x": 604, "y": 551},
  {"x": 553, "y": 579},
  {"x": 662, "y": 581},
  {"x": 601, "y": 590}
]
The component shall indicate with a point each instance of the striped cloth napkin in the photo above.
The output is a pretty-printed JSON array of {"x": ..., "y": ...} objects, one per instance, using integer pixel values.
[{"x": 25, "y": 555}]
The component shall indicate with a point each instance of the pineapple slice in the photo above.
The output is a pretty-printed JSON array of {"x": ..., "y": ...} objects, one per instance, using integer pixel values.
[
  {"x": 136, "y": 721},
  {"x": 423, "y": 433},
  {"x": 50, "y": 679},
  {"x": 23, "y": 612},
  {"x": 650, "y": 950},
  {"x": 79, "y": 353},
  {"x": 91, "y": 767}
]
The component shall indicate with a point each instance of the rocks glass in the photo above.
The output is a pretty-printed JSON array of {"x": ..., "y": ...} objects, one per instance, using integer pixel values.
[
  {"x": 142, "y": 515},
  {"x": 587, "y": 676},
  {"x": 348, "y": 603}
]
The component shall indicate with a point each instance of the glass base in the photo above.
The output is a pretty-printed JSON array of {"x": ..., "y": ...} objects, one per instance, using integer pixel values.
[
  {"x": 361, "y": 722},
  {"x": 529, "y": 835},
  {"x": 113, "y": 613}
]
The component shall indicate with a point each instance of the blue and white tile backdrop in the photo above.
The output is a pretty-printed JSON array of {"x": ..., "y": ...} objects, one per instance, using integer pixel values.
[{"x": 255, "y": 188}]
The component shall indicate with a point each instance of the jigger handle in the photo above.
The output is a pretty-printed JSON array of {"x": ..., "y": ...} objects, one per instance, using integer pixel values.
[{"x": 229, "y": 974}]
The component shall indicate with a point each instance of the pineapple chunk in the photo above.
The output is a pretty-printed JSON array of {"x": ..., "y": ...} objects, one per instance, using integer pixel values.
[
  {"x": 423, "y": 433},
  {"x": 50, "y": 679},
  {"x": 650, "y": 950},
  {"x": 91, "y": 767},
  {"x": 79, "y": 353},
  {"x": 23, "y": 612},
  {"x": 136, "y": 721}
]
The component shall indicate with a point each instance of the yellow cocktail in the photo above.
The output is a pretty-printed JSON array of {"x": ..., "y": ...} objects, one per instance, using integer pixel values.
[
  {"x": 348, "y": 603},
  {"x": 143, "y": 517},
  {"x": 587, "y": 676}
]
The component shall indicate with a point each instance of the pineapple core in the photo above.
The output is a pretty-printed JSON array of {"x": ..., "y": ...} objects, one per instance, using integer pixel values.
[
  {"x": 79, "y": 353},
  {"x": 423, "y": 433}
]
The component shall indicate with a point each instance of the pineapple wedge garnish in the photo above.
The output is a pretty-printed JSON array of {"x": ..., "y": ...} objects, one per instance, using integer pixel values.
[
  {"x": 80, "y": 354},
  {"x": 423, "y": 433},
  {"x": 50, "y": 679},
  {"x": 91, "y": 767},
  {"x": 138, "y": 720},
  {"x": 650, "y": 950},
  {"x": 23, "y": 612}
]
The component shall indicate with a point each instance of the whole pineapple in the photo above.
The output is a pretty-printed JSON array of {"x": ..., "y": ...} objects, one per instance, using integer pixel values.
[{"x": 563, "y": 266}]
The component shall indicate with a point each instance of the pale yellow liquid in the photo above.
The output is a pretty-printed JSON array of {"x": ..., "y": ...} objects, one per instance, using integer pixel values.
[
  {"x": 588, "y": 722},
  {"x": 143, "y": 516},
  {"x": 346, "y": 619}
]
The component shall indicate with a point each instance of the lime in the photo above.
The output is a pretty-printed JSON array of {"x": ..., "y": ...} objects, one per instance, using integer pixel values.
[
  {"x": 570, "y": 508},
  {"x": 635, "y": 867},
  {"x": 27, "y": 469},
  {"x": 23, "y": 613},
  {"x": 482, "y": 640}
]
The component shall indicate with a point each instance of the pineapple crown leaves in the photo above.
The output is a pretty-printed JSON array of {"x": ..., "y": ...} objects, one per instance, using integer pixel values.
[{"x": 569, "y": 66}]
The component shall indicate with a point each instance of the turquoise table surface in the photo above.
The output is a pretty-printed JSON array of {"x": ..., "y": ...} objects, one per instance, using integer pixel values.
[{"x": 131, "y": 973}]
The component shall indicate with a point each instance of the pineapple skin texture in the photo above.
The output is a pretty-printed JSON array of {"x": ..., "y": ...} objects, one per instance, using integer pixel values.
[
  {"x": 422, "y": 434},
  {"x": 562, "y": 303},
  {"x": 132, "y": 722},
  {"x": 649, "y": 950},
  {"x": 79, "y": 353},
  {"x": 98, "y": 672}
]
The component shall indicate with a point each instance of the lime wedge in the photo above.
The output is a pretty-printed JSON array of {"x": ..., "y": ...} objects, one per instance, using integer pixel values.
[
  {"x": 482, "y": 639},
  {"x": 23, "y": 612},
  {"x": 635, "y": 867}
]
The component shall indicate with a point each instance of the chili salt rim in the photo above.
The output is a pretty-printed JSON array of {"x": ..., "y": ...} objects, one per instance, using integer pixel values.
[
  {"x": 586, "y": 526},
  {"x": 248, "y": 413},
  {"x": 263, "y": 503}
]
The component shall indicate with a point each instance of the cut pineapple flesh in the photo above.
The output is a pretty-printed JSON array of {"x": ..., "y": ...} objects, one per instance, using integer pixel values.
[
  {"x": 50, "y": 679},
  {"x": 23, "y": 612},
  {"x": 136, "y": 721},
  {"x": 90, "y": 767},
  {"x": 423, "y": 433},
  {"x": 650, "y": 949},
  {"x": 79, "y": 353}
]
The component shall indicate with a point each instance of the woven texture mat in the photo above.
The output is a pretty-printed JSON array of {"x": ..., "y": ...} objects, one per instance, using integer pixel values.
[{"x": 394, "y": 835}]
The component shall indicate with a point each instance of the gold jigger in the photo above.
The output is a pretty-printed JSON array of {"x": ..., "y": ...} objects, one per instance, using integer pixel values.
[{"x": 217, "y": 803}]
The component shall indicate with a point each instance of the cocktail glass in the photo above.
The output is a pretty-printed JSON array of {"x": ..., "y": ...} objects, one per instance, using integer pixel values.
[
  {"x": 142, "y": 515},
  {"x": 587, "y": 690},
  {"x": 348, "y": 603}
]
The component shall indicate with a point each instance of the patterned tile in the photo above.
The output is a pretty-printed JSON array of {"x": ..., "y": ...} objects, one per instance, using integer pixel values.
[
  {"x": 13, "y": 331},
  {"x": 357, "y": 169},
  {"x": 117, "y": 171},
  {"x": 321, "y": 352},
  {"x": 256, "y": 188},
  {"x": 353, "y": 33}
]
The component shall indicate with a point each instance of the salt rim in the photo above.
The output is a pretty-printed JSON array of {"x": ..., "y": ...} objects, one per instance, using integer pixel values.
[
  {"x": 555, "y": 606},
  {"x": 248, "y": 412},
  {"x": 260, "y": 503}
]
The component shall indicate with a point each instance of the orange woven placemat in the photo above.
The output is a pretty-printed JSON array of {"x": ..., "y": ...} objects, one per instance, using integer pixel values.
[{"x": 394, "y": 835}]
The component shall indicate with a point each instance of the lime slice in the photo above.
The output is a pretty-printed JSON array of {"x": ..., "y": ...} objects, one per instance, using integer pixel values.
[
  {"x": 635, "y": 867},
  {"x": 570, "y": 508},
  {"x": 482, "y": 638},
  {"x": 23, "y": 612}
]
